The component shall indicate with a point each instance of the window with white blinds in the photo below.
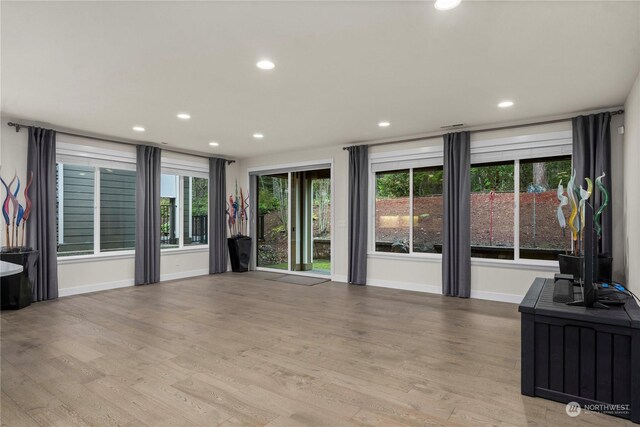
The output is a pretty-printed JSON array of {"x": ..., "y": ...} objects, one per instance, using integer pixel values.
[
  {"x": 96, "y": 190},
  {"x": 513, "y": 184}
]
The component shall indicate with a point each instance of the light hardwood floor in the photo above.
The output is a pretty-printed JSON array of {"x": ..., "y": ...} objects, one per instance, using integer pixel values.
[{"x": 236, "y": 349}]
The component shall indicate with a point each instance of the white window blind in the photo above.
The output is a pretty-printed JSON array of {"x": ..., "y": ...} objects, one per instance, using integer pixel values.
[
  {"x": 543, "y": 145},
  {"x": 197, "y": 167},
  {"x": 405, "y": 159},
  {"x": 522, "y": 147},
  {"x": 86, "y": 153}
]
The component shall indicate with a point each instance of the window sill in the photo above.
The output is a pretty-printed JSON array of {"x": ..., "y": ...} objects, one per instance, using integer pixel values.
[
  {"x": 106, "y": 256},
  {"x": 481, "y": 262},
  {"x": 184, "y": 250},
  {"x": 521, "y": 264},
  {"x": 399, "y": 257},
  {"x": 110, "y": 256}
]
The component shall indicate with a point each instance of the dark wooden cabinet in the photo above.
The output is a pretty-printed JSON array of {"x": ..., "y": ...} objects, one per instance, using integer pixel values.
[{"x": 587, "y": 355}]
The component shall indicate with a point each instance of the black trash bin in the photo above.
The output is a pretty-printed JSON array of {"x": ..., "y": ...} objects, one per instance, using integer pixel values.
[{"x": 240, "y": 253}]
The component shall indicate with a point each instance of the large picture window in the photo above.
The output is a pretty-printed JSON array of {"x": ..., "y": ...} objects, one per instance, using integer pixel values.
[
  {"x": 117, "y": 210},
  {"x": 184, "y": 211},
  {"x": 404, "y": 194},
  {"x": 75, "y": 203},
  {"x": 513, "y": 206},
  {"x": 96, "y": 209},
  {"x": 96, "y": 200},
  {"x": 427, "y": 210},
  {"x": 492, "y": 201},
  {"x": 540, "y": 234},
  {"x": 392, "y": 211},
  {"x": 493, "y": 216},
  {"x": 196, "y": 211},
  {"x": 169, "y": 201}
]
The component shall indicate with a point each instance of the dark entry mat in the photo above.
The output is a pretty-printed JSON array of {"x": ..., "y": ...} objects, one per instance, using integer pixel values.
[
  {"x": 264, "y": 275},
  {"x": 298, "y": 280}
]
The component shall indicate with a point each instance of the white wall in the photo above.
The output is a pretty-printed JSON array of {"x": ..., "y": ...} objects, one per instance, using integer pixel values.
[
  {"x": 490, "y": 279},
  {"x": 617, "y": 198},
  {"x": 105, "y": 273},
  {"x": 13, "y": 158},
  {"x": 632, "y": 187}
]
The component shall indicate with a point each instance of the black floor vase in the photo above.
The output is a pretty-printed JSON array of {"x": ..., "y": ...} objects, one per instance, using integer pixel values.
[{"x": 240, "y": 253}]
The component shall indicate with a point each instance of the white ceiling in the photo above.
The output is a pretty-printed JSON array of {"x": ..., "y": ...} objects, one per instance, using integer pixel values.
[{"x": 341, "y": 67}]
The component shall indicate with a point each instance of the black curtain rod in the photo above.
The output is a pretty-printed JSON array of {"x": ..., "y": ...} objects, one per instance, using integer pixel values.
[
  {"x": 97, "y": 138},
  {"x": 545, "y": 122}
]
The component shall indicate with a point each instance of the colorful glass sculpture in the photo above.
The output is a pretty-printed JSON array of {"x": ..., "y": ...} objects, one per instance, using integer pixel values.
[
  {"x": 605, "y": 202},
  {"x": 564, "y": 201},
  {"x": 574, "y": 206}
]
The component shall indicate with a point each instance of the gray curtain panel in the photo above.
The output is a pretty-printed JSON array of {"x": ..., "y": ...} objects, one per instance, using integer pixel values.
[
  {"x": 358, "y": 213},
  {"x": 41, "y": 227},
  {"x": 217, "y": 216},
  {"x": 253, "y": 224},
  {"x": 456, "y": 245},
  {"x": 591, "y": 157},
  {"x": 148, "y": 171}
]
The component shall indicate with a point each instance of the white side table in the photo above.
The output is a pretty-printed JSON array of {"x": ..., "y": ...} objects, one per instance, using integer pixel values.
[{"x": 9, "y": 269}]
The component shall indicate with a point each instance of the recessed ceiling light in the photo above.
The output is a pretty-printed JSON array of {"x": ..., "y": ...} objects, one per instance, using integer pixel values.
[
  {"x": 265, "y": 64},
  {"x": 138, "y": 128},
  {"x": 447, "y": 4},
  {"x": 184, "y": 116},
  {"x": 505, "y": 104},
  {"x": 258, "y": 135},
  {"x": 213, "y": 144},
  {"x": 384, "y": 124}
]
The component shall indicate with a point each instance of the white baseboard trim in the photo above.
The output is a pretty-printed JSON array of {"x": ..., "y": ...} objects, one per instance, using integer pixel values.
[
  {"x": 434, "y": 289},
  {"x": 184, "y": 274},
  {"x": 339, "y": 279},
  {"x": 77, "y": 290},
  {"x": 406, "y": 286},
  {"x": 497, "y": 296}
]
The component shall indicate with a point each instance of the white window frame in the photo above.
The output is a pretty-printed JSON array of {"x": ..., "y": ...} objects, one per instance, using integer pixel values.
[
  {"x": 514, "y": 149},
  {"x": 83, "y": 153},
  {"x": 60, "y": 203},
  {"x": 191, "y": 204},
  {"x": 431, "y": 156},
  {"x": 181, "y": 169},
  {"x": 372, "y": 228}
]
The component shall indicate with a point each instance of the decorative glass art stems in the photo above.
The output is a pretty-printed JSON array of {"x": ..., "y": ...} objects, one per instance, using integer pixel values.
[
  {"x": 12, "y": 236},
  {"x": 578, "y": 199}
]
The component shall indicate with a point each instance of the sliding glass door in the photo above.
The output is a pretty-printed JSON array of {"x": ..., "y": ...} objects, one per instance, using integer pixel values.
[
  {"x": 293, "y": 224},
  {"x": 272, "y": 225},
  {"x": 311, "y": 221}
]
